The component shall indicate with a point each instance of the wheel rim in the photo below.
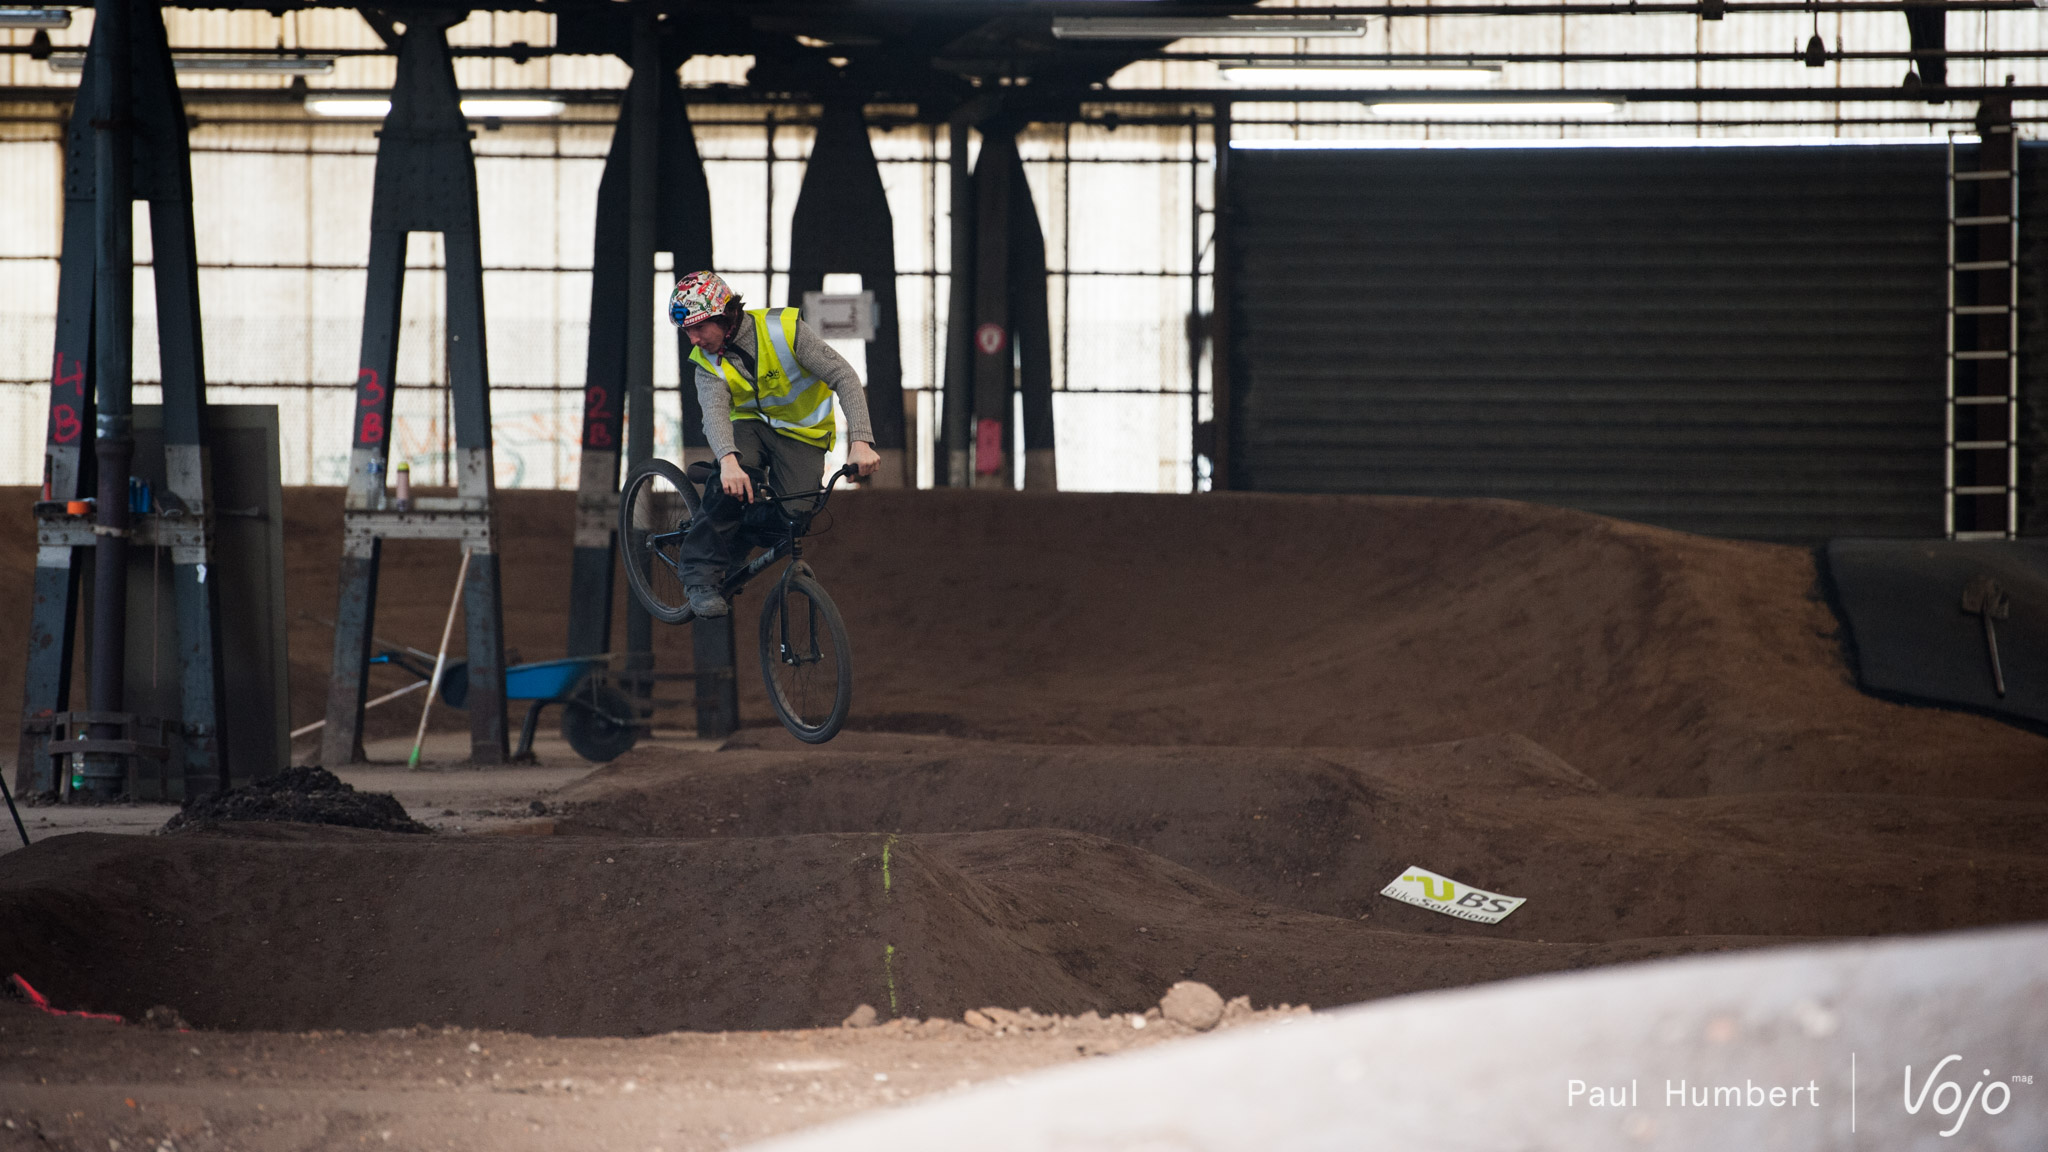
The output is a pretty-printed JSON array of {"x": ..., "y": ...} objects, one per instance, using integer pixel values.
[
  {"x": 655, "y": 520},
  {"x": 803, "y": 658}
]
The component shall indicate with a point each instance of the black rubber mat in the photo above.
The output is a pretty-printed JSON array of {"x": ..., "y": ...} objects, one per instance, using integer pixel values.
[{"x": 1915, "y": 610}]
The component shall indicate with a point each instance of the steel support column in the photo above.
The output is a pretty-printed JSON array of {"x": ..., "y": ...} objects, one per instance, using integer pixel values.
[
  {"x": 133, "y": 127},
  {"x": 959, "y": 310},
  {"x": 426, "y": 182},
  {"x": 994, "y": 360},
  {"x": 186, "y": 506},
  {"x": 1223, "y": 419},
  {"x": 1031, "y": 328},
  {"x": 668, "y": 196},
  {"x": 682, "y": 227},
  {"x": 842, "y": 223},
  {"x": 103, "y": 773},
  {"x": 67, "y": 468}
]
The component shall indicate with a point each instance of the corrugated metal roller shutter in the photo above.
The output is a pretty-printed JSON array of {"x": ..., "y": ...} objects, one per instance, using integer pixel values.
[{"x": 1738, "y": 341}]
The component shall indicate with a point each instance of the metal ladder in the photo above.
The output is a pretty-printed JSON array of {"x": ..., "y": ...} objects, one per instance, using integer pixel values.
[{"x": 1981, "y": 463}]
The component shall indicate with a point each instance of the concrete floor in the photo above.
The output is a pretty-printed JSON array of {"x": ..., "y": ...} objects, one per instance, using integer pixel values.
[{"x": 444, "y": 792}]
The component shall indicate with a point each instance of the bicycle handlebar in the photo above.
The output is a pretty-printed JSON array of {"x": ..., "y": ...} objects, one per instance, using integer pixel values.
[
  {"x": 823, "y": 493},
  {"x": 846, "y": 472}
]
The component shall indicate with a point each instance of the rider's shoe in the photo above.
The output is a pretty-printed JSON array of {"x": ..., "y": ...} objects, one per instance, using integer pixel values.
[{"x": 706, "y": 602}]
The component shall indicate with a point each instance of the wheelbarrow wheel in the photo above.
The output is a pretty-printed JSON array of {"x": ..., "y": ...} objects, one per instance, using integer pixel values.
[{"x": 599, "y": 723}]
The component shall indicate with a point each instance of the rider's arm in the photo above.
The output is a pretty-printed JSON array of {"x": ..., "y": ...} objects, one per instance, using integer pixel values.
[
  {"x": 828, "y": 365},
  {"x": 716, "y": 400}
]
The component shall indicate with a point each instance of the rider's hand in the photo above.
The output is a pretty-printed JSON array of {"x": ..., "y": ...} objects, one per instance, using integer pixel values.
[
  {"x": 734, "y": 480},
  {"x": 862, "y": 455}
]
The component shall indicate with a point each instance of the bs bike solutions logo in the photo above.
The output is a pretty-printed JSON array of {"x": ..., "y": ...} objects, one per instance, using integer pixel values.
[{"x": 1426, "y": 889}]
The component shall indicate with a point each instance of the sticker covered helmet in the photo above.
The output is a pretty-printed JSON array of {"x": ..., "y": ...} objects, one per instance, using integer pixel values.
[{"x": 698, "y": 297}]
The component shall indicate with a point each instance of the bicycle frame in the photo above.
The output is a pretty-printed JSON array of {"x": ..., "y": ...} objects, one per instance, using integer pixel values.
[{"x": 790, "y": 546}]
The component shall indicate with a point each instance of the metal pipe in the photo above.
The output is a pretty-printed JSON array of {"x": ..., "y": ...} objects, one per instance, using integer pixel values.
[
  {"x": 1629, "y": 8},
  {"x": 105, "y": 774},
  {"x": 643, "y": 144},
  {"x": 1462, "y": 59},
  {"x": 1482, "y": 97}
]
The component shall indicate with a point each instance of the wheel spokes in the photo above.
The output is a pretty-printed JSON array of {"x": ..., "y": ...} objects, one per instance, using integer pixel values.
[
  {"x": 657, "y": 517},
  {"x": 806, "y": 666}
]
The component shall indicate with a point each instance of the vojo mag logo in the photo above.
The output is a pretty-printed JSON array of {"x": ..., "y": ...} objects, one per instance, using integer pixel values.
[{"x": 1989, "y": 1095}]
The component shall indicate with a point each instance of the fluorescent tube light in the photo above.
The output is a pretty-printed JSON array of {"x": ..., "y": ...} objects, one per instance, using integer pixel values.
[
  {"x": 269, "y": 65},
  {"x": 511, "y": 108},
  {"x": 1184, "y": 27},
  {"x": 350, "y": 107},
  {"x": 475, "y": 108},
  {"x": 202, "y": 62},
  {"x": 1356, "y": 75},
  {"x": 1497, "y": 109},
  {"x": 35, "y": 17}
]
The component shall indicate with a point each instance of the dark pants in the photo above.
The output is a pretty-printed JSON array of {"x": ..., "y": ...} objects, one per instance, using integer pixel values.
[{"x": 711, "y": 547}]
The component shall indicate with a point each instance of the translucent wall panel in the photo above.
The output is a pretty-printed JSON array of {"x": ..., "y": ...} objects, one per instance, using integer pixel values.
[{"x": 282, "y": 218}]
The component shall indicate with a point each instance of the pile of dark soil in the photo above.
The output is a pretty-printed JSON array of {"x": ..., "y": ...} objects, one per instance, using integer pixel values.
[{"x": 297, "y": 796}]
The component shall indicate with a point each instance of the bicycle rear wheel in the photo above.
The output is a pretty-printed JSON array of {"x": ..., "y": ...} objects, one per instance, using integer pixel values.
[
  {"x": 655, "y": 508},
  {"x": 805, "y": 659}
]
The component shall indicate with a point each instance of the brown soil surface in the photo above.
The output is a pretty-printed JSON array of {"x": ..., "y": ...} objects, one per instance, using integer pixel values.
[
  {"x": 1323, "y": 830},
  {"x": 1656, "y": 662},
  {"x": 87, "y": 1086},
  {"x": 610, "y": 936},
  {"x": 1106, "y": 743}
]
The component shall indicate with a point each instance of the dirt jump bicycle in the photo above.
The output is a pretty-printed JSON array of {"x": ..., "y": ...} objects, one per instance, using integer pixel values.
[{"x": 805, "y": 660}]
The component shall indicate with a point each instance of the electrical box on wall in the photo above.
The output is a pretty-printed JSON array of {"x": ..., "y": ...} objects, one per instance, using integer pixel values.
[
  {"x": 841, "y": 317},
  {"x": 248, "y": 547}
]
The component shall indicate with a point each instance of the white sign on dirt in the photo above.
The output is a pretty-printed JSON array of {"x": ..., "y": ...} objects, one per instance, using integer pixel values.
[{"x": 1426, "y": 889}]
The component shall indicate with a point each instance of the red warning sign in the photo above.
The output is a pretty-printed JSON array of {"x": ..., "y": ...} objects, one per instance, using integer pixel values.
[{"x": 991, "y": 339}]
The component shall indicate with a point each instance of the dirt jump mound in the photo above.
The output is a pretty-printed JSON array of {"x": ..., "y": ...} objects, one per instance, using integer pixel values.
[
  {"x": 1323, "y": 830},
  {"x": 285, "y": 927}
]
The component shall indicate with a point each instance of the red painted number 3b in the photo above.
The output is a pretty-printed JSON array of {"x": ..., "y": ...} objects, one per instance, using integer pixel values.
[{"x": 370, "y": 400}]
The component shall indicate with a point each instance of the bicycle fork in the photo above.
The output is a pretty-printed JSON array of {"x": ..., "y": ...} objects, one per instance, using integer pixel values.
[{"x": 786, "y": 652}]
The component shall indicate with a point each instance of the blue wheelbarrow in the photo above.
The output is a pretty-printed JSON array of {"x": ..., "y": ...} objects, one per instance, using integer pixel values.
[{"x": 598, "y": 720}]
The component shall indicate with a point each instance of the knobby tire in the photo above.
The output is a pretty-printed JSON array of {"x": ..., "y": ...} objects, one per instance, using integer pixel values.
[{"x": 812, "y": 696}]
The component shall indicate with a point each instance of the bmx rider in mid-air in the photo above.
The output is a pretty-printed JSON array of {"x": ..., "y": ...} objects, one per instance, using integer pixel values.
[{"x": 766, "y": 381}]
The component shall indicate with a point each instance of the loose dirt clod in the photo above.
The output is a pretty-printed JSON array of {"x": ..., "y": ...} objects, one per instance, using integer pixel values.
[
  {"x": 297, "y": 796},
  {"x": 1192, "y": 1003},
  {"x": 861, "y": 1017},
  {"x": 165, "y": 1017}
]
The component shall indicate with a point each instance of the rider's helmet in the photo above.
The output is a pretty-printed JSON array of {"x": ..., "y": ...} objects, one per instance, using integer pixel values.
[{"x": 698, "y": 297}]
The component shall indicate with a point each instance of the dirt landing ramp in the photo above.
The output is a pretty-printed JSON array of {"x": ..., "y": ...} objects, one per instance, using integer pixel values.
[
  {"x": 1513, "y": 1066},
  {"x": 1658, "y": 663},
  {"x": 1324, "y": 829},
  {"x": 287, "y": 927}
]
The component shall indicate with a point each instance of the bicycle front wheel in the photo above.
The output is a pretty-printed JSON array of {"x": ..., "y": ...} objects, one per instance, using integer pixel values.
[
  {"x": 805, "y": 659},
  {"x": 655, "y": 508}
]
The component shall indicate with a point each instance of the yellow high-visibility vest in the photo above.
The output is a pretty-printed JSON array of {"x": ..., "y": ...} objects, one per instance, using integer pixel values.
[{"x": 783, "y": 392}]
